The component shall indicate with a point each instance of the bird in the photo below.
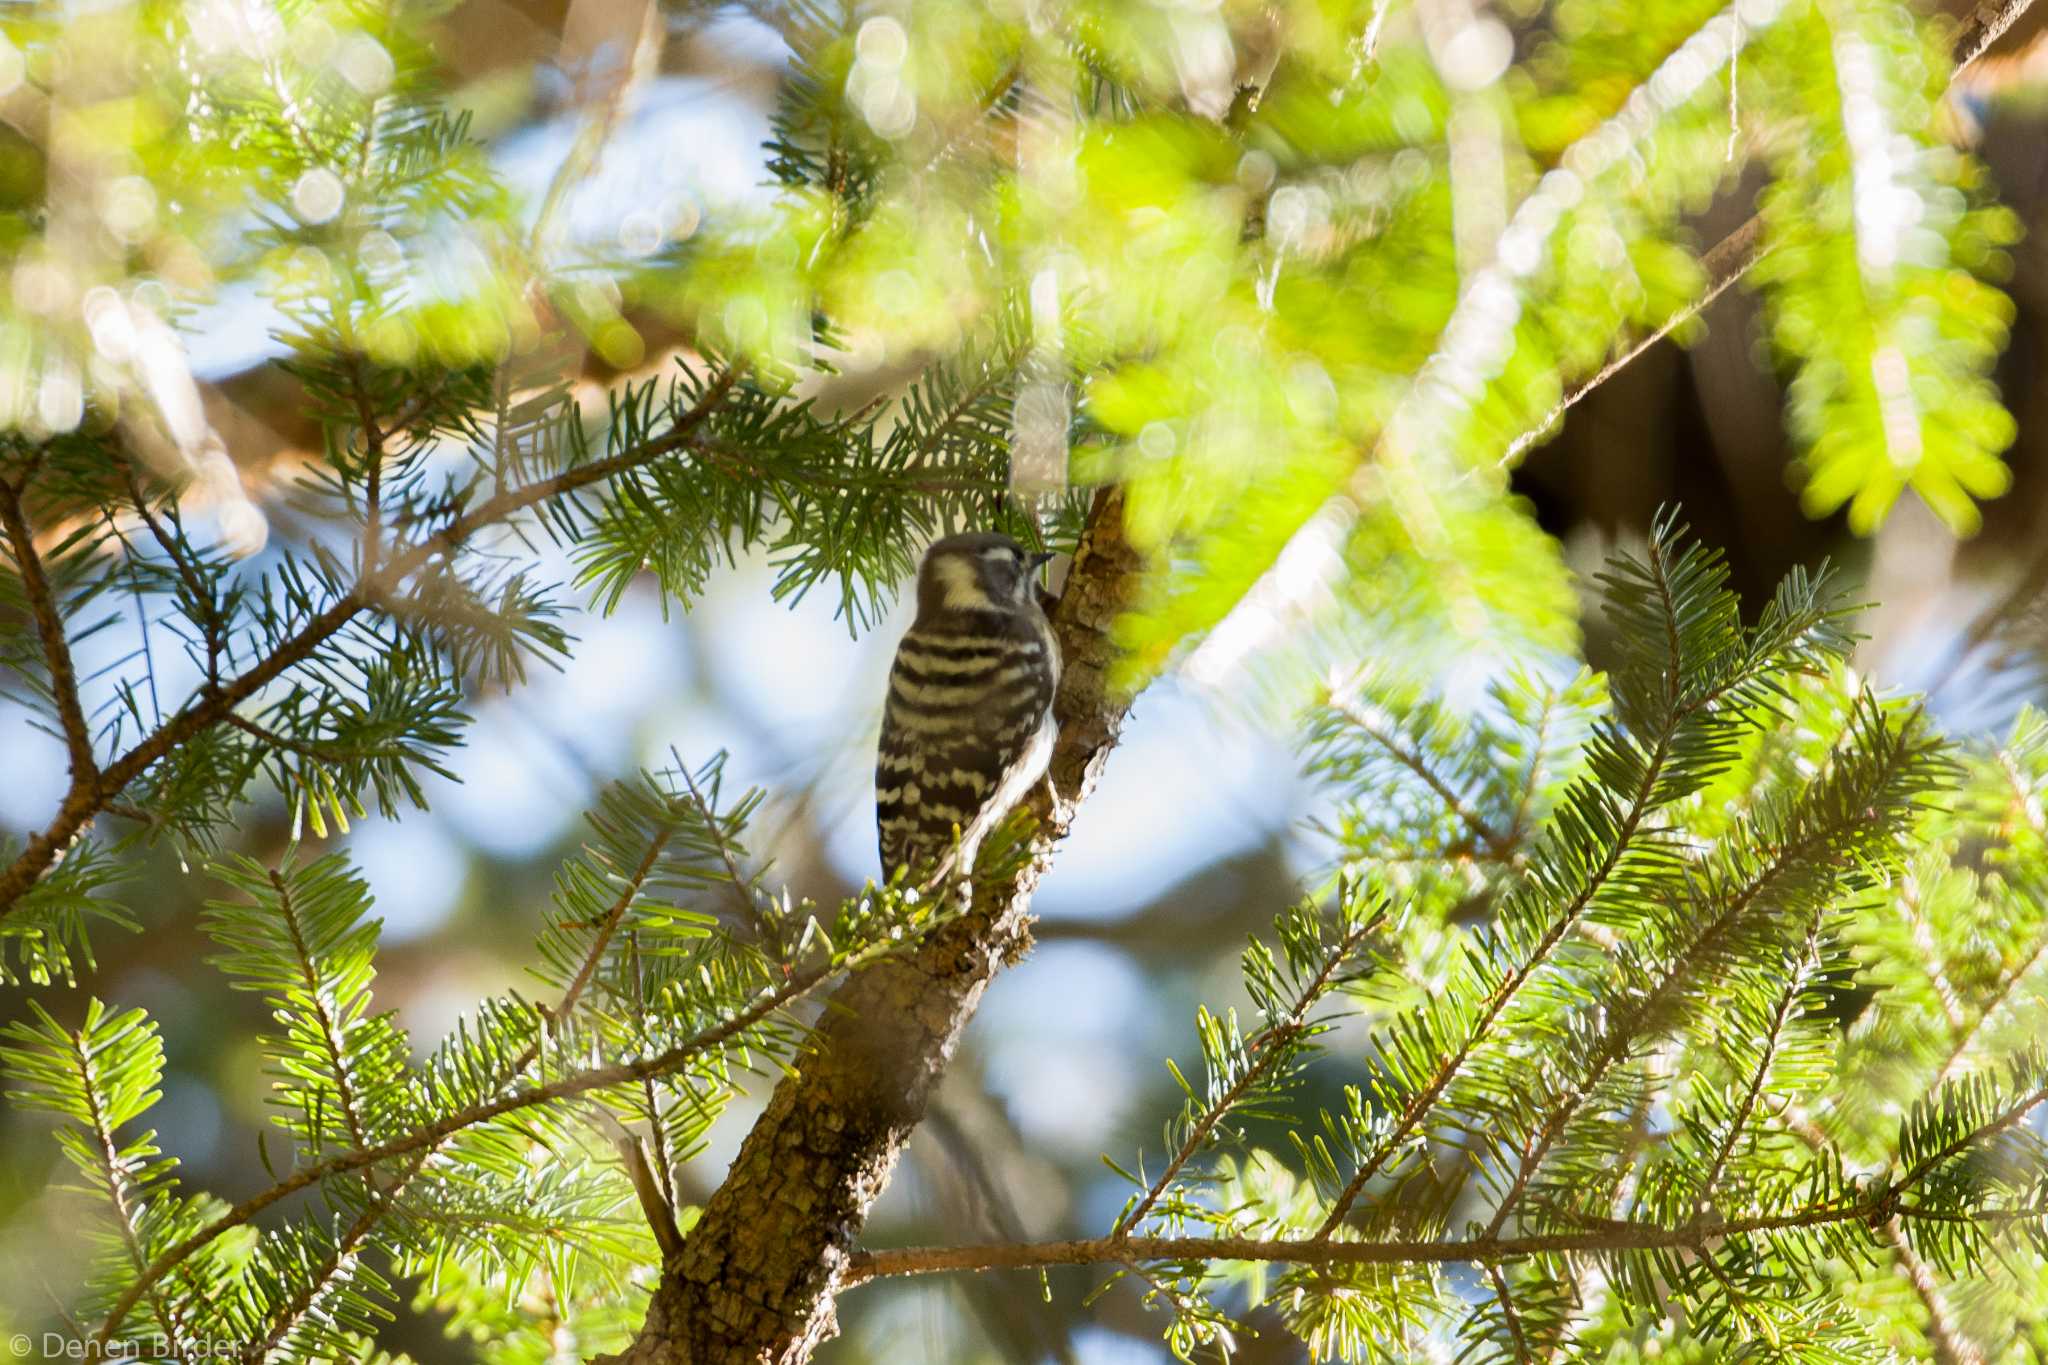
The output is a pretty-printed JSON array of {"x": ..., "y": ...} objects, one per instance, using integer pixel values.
[{"x": 967, "y": 727}]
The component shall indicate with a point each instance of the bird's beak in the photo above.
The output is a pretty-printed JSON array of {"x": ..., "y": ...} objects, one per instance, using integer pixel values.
[{"x": 1040, "y": 561}]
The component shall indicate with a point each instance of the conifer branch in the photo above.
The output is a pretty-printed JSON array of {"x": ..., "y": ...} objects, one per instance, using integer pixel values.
[
  {"x": 1509, "y": 1315},
  {"x": 316, "y": 998},
  {"x": 1930, "y": 957},
  {"x": 303, "y": 1302},
  {"x": 1607, "y": 1239},
  {"x": 42, "y": 604},
  {"x": 1421, "y": 1102},
  {"x": 1270, "y": 1048},
  {"x": 1778, "y": 651},
  {"x": 606, "y": 928},
  {"x": 1774, "y": 1037},
  {"x": 1532, "y": 779},
  {"x": 431, "y": 1135},
  {"x": 91, "y": 790},
  {"x": 1626, "y": 1021},
  {"x": 109, "y": 1152},
  {"x": 2004, "y": 1121},
  {"x": 750, "y": 909},
  {"x": 373, "y": 466},
  {"x": 1416, "y": 762}
]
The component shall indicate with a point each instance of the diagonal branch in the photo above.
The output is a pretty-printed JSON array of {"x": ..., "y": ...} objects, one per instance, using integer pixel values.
[
  {"x": 431, "y": 1135},
  {"x": 306, "y": 1301},
  {"x": 1774, "y": 1039},
  {"x": 1415, "y": 761},
  {"x": 91, "y": 791},
  {"x": 1951, "y": 1347},
  {"x": 1271, "y": 1047},
  {"x": 1729, "y": 259},
  {"x": 1507, "y": 1309},
  {"x": 42, "y": 605}
]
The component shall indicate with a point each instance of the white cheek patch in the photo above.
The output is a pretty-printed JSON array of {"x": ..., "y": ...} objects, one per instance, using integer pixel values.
[{"x": 960, "y": 585}]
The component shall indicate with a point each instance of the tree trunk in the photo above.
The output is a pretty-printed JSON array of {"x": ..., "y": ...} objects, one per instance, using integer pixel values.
[{"x": 756, "y": 1277}]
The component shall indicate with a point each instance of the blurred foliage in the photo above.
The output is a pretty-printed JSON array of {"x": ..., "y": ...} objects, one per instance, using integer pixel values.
[{"x": 1300, "y": 278}]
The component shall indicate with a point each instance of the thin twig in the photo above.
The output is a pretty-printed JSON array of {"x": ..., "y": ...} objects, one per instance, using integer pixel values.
[
  {"x": 1781, "y": 1016},
  {"x": 203, "y": 606},
  {"x": 1507, "y": 1308},
  {"x": 42, "y": 606},
  {"x": 1727, "y": 261}
]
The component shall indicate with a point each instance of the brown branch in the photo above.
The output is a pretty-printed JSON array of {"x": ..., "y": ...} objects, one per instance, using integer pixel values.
[
  {"x": 1607, "y": 1238},
  {"x": 42, "y": 605},
  {"x": 1507, "y": 1308},
  {"x": 758, "y": 1273},
  {"x": 212, "y": 705}
]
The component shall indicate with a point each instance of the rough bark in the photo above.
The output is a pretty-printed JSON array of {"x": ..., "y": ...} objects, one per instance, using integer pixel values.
[{"x": 756, "y": 1278}]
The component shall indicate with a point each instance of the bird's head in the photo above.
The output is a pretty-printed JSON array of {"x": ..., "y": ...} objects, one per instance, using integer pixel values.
[{"x": 978, "y": 571}]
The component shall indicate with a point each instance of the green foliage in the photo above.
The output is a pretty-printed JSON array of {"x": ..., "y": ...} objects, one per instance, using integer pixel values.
[
  {"x": 1717, "y": 1040},
  {"x": 1883, "y": 240},
  {"x": 1639, "y": 952},
  {"x": 486, "y": 1166}
]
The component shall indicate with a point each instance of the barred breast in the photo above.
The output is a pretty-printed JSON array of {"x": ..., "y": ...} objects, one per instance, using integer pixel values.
[{"x": 966, "y": 731}]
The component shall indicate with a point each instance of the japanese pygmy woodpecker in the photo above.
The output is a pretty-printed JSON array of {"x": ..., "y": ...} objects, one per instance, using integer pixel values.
[{"x": 968, "y": 725}]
